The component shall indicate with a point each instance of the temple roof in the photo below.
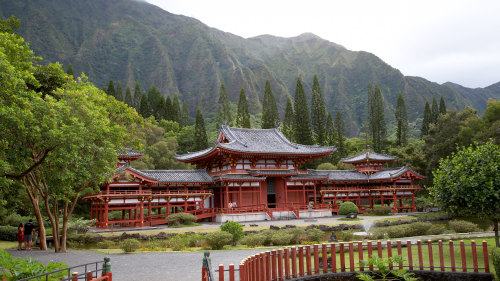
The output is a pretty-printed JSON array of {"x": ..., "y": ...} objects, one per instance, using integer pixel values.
[
  {"x": 369, "y": 156},
  {"x": 350, "y": 175},
  {"x": 236, "y": 177},
  {"x": 257, "y": 141},
  {"x": 129, "y": 153},
  {"x": 175, "y": 176},
  {"x": 273, "y": 172}
]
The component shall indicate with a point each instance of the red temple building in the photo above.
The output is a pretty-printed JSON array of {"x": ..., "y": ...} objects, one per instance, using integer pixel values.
[{"x": 249, "y": 175}]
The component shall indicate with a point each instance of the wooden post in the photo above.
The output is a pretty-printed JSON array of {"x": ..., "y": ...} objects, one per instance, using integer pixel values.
[
  {"x": 301, "y": 261},
  {"x": 89, "y": 276},
  {"x": 333, "y": 253},
  {"x": 280, "y": 265},
  {"x": 221, "y": 272},
  {"x": 462, "y": 254},
  {"x": 308, "y": 260},
  {"x": 410, "y": 260},
  {"x": 389, "y": 253},
  {"x": 324, "y": 257},
  {"x": 360, "y": 255},
  {"x": 274, "y": 265},
  {"x": 243, "y": 273},
  {"x": 351, "y": 256},
  {"x": 452, "y": 256},
  {"x": 441, "y": 256},
  {"x": 287, "y": 264},
  {"x": 400, "y": 253},
  {"x": 474, "y": 255},
  {"x": 420, "y": 261},
  {"x": 431, "y": 256},
  {"x": 141, "y": 206},
  {"x": 370, "y": 253},
  {"x": 268, "y": 265},
  {"x": 231, "y": 272},
  {"x": 379, "y": 248},
  {"x": 485, "y": 257},
  {"x": 294, "y": 262},
  {"x": 316, "y": 259},
  {"x": 262, "y": 266},
  {"x": 342, "y": 258}
]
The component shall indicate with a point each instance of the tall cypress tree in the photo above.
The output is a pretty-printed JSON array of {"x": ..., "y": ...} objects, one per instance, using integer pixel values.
[
  {"x": 426, "y": 121},
  {"x": 200, "y": 134},
  {"x": 243, "y": 117},
  {"x": 223, "y": 108},
  {"x": 401, "y": 122},
  {"x": 302, "y": 124},
  {"x": 340, "y": 135},
  {"x": 137, "y": 96},
  {"x": 270, "y": 111},
  {"x": 318, "y": 113},
  {"x": 184, "y": 115},
  {"x": 442, "y": 106},
  {"x": 288, "y": 120},
  {"x": 128, "y": 97},
  {"x": 434, "y": 111},
  {"x": 176, "y": 109},
  {"x": 69, "y": 70},
  {"x": 376, "y": 118},
  {"x": 168, "y": 109},
  {"x": 119, "y": 91},
  {"x": 330, "y": 130},
  {"x": 144, "y": 109},
  {"x": 160, "y": 111},
  {"x": 111, "y": 89}
]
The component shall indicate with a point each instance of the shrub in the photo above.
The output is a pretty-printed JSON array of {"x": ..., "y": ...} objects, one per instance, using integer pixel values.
[
  {"x": 106, "y": 244},
  {"x": 178, "y": 242},
  {"x": 495, "y": 254},
  {"x": 348, "y": 208},
  {"x": 235, "y": 229},
  {"x": 315, "y": 235},
  {"x": 80, "y": 225},
  {"x": 194, "y": 240},
  {"x": 253, "y": 240},
  {"x": 74, "y": 244},
  {"x": 436, "y": 229},
  {"x": 8, "y": 233},
  {"x": 181, "y": 218},
  {"x": 382, "y": 210},
  {"x": 346, "y": 235},
  {"x": 130, "y": 245},
  {"x": 218, "y": 239},
  {"x": 418, "y": 228},
  {"x": 296, "y": 233},
  {"x": 267, "y": 236},
  {"x": 403, "y": 230},
  {"x": 281, "y": 239},
  {"x": 422, "y": 203},
  {"x": 17, "y": 268},
  {"x": 460, "y": 226}
]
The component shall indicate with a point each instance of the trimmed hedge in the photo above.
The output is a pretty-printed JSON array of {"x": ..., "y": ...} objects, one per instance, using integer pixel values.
[
  {"x": 460, "y": 226},
  {"x": 181, "y": 218},
  {"x": 8, "y": 233},
  {"x": 218, "y": 239},
  {"x": 130, "y": 245},
  {"x": 348, "y": 208}
]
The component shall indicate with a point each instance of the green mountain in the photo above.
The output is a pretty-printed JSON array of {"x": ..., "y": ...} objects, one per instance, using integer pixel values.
[{"x": 130, "y": 41}]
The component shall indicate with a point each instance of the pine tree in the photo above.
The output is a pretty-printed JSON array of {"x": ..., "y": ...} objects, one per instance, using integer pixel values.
[
  {"x": 137, "y": 96},
  {"x": 119, "y": 92},
  {"x": 69, "y": 70},
  {"x": 111, "y": 89},
  {"x": 200, "y": 134},
  {"x": 434, "y": 111},
  {"x": 168, "y": 109},
  {"x": 288, "y": 120},
  {"x": 243, "y": 117},
  {"x": 176, "y": 109},
  {"x": 270, "y": 117},
  {"x": 330, "y": 130},
  {"x": 144, "y": 109},
  {"x": 427, "y": 120},
  {"x": 340, "y": 135},
  {"x": 376, "y": 118},
  {"x": 401, "y": 122},
  {"x": 160, "y": 114},
  {"x": 302, "y": 124},
  {"x": 184, "y": 115},
  {"x": 128, "y": 97},
  {"x": 318, "y": 113},
  {"x": 442, "y": 106},
  {"x": 156, "y": 107},
  {"x": 223, "y": 108}
]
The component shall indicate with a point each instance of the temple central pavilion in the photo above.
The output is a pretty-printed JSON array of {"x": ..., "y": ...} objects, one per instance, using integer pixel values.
[{"x": 250, "y": 175}]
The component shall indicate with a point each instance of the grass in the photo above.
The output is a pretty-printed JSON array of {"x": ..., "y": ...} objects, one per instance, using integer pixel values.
[
  {"x": 349, "y": 219},
  {"x": 185, "y": 225},
  {"x": 8, "y": 245}
]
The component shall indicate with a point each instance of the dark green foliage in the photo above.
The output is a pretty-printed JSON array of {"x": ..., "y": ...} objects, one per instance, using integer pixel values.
[
  {"x": 200, "y": 134},
  {"x": 223, "y": 108},
  {"x": 270, "y": 117},
  {"x": 10, "y": 24},
  {"x": 144, "y": 106},
  {"x": 256, "y": 239},
  {"x": 340, "y": 135},
  {"x": 176, "y": 109},
  {"x": 69, "y": 69},
  {"x": 302, "y": 125},
  {"x": 50, "y": 77},
  {"x": 434, "y": 111},
  {"x": 427, "y": 120},
  {"x": 442, "y": 106},
  {"x": 181, "y": 218},
  {"x": 8, "y": 233},
  {"x": 106, "y": 244},
  {"x": 330, "y": 130},
  {"x": 242, "y": 116},
  {"x": 137, "y": 96},
  {"x": 111, "y": 89},
  {"x": 184, "y": 115},
  {"x": 380, "y": 210},
  {"x": 235, "y": 229},
  {"x": 318, "y": 113},
  {"x": 130, "y": 245},
  {"x": 168, "y": 109},
  {"x": 401, "y": 122},
  {"x": 18, "y": 268},
  {"x": 288, "y": 120},
  {"x": 128, "y": 97},
  {"x": 348, "y": 208},
  {"x": 218, "y": 239},
  {"x": 402, "y": 230},
  {"x": 460, "y": 226},
  {"x": 315, "y": 235},
  {"x": 119, "y": 91},
  {"x": 376, "y": 118},
  {"x": 495, "y": 257}
]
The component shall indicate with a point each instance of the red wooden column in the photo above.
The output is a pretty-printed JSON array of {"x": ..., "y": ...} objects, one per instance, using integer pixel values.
[
  {"x": 141, "y": 207},
  {"x": 106, "y": 207}
]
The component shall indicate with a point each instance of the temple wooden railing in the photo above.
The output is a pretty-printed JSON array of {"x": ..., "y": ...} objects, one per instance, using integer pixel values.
[
  {"x": 293, "y": 262},
  {"x": 369, "y": 189},
  {"x": 117, "y": 194}
]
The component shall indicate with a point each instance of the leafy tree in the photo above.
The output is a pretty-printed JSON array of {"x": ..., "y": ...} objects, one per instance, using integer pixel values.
[
  {"x": 144, "y": 109},
  {"x": 111, "y": 89},
  {"x": 9, "y": 25},
  {"x": 137, "y": 96},
  {"x": 50, "y": 77},
  {"x": 318, "y": 113},
  {"x": 69, "y": 70},
  {"x": 401, "y": 122},
  {"x": 168, "y": 109},
  {"x": 326, "y": 166},
  {"x": 302, "y": 124},
  {"x": 200, "y": 134},
  {"x": 235, "y": 229},
  {"x": 160, "y": 108},
  {"x": 270, "y": 117},
  {"x": 376, "y": 118},
  {"x": 442, "y": 106},
  {"x": 223, "y": 108},
  {"x": 330, "y": 130},
  {"x": 434, "y": 111},
  {"x": 119, "y": 92},
  {"x": 243, "y": 116},
  {"x": 176, "y": 109},
  {"x": 468, "y": 183},
  {"x": 128, "y": 97},
  {"x": 426, "y": 121},
  {"x": 410, "y": 155},
  {"x": 185, "y": 139},
  {"x": 288, "y": 119},
  {"x": 184, "y": 115},
  {"x": 340, "y": 135}
]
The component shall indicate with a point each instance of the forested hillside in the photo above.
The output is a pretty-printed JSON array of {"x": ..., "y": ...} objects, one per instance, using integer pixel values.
[{"x": 130, "y": 41}]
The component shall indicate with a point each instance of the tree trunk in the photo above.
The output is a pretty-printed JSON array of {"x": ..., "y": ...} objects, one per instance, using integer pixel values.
[
  {"x": 495, "y": 228},
  {"x": 41, "y": 230}
]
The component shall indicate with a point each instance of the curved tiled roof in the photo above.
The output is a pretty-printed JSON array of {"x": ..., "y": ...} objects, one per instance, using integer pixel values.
[
  {"x": 369, "y": 155},
  {"x": 270, "y": 141},
  {"x": 240, "y": 177},
  {"x": 188, "y": 176},
  {"x": 127, "y": 152},
  {"x": 352, "y": 175}
]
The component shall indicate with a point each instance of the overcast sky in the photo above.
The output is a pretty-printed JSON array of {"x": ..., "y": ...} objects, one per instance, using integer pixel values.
[{"x": 440, "y": 40}]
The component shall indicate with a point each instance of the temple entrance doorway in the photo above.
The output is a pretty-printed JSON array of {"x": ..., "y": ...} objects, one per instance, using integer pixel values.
[{"x": 271, "y": 193}]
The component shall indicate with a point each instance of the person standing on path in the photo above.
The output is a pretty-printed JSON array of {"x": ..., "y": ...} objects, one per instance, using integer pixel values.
[
  {"x": 20, "y": 236},
  {"x": 28, "y": 234}
]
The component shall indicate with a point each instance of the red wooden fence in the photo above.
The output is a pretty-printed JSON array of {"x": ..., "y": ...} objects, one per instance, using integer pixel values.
[{"x": 317, "y": 259}]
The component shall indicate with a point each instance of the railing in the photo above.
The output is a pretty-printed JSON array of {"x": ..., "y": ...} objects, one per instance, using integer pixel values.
[
  {"x": 293, "y": 262},
  {"x": 371, "y": 188},
  {"x": 88, "y": 275},
  {"x": 269, "y": 212},
  {"x": 244, "y": 209},
  {"x": 145, "y": 192}
]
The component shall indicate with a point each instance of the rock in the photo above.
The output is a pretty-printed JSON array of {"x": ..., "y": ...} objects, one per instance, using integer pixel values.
[{"x": 273, "y": 227}]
